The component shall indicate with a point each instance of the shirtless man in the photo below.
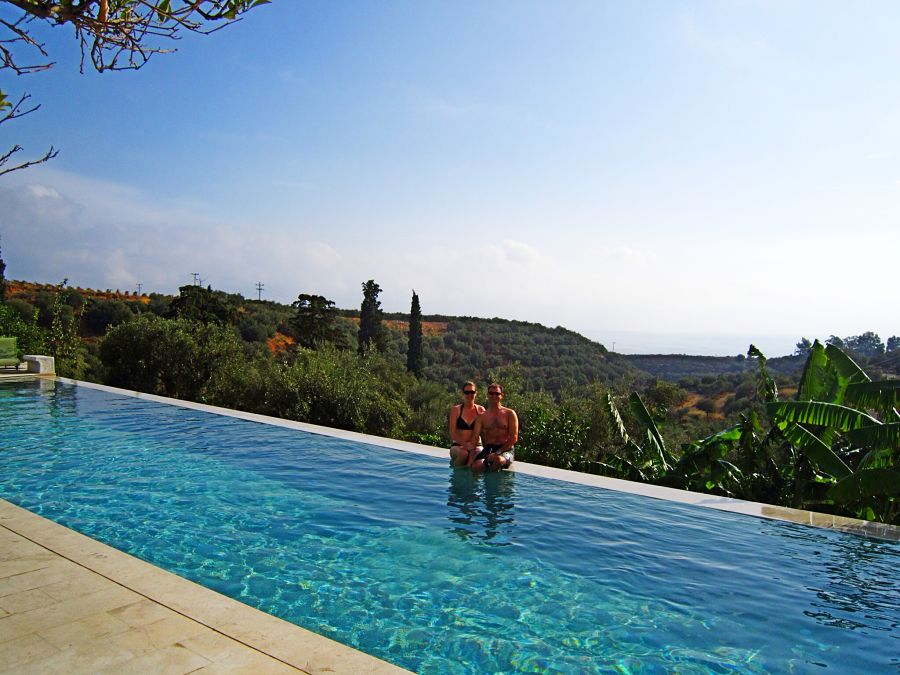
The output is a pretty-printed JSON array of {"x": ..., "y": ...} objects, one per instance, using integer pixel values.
[
  {"x": 499, "y": 429},
  {"x": 466, "y": 444}
]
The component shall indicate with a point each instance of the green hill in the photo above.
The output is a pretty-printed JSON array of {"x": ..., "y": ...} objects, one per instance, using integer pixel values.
[{"x": 457, "y": 349}]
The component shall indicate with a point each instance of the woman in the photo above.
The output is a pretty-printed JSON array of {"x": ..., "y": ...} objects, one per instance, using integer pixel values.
[{"x": 462, "y": 422}]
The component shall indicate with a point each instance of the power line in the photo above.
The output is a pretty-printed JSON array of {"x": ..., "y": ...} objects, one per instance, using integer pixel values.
[{"x": 260, "y": 287}]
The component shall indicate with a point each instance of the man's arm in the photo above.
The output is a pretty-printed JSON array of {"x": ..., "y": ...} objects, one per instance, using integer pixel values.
[{"x": 512, "y": 435}]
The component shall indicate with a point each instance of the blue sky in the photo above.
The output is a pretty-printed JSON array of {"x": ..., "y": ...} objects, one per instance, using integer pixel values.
[{"x": 685, "y": 177}]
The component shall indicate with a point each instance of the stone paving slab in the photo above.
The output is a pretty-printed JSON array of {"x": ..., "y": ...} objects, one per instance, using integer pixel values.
[{"x": 71, "y": 604}]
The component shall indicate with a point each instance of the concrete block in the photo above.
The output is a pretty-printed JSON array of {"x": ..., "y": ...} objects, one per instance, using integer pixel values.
[{"x": 44, "y": 365}]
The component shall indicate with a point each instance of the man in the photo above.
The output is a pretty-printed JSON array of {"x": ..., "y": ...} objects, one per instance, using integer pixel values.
[{"x": 499, "y": 431}]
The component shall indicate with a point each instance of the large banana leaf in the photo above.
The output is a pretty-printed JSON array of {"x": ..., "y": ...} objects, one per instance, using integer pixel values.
[
  {"x": 882, "y": 396},
  {"x": 844, "y": 371},
  {"x": 884, "y": 458},
  {"x": 812, "y": 385},
  {"x": 730, "y": 434},
  {"x": 866, "y": 483},
  {"x": 882, "y": 436},
  {"x": 815, "y": 449},
  {"x": 846, "y": 367},
  {"x": 656, "y": 440},
  {"x": 770, "y": 389},
  {"x": 617, "y": 418},
  {"x": 820, "y": 414}
]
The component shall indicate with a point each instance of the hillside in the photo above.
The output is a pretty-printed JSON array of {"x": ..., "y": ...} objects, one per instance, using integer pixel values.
[
  {"x": 675, "y": 367},
  {"x": 550, "y": 358},
  {"x": 457, "y": 349}
]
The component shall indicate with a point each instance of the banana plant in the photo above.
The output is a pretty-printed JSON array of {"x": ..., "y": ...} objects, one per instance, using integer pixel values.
[
  {"x": 856, "y": 454},
  {"x": 645, "y": 458}
]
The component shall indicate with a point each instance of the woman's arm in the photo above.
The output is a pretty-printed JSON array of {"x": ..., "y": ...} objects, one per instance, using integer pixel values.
[{"x": 454, "y": 432}]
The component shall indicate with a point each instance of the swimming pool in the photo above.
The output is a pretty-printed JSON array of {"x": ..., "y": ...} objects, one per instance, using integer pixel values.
[{"x": 435, "y": 570}]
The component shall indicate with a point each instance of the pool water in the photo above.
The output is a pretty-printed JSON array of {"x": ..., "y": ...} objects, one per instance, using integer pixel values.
[{"x": 438, "y": 571}]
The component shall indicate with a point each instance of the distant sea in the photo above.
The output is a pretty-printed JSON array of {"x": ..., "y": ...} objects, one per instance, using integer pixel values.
[{"x": 705, "y": 344}]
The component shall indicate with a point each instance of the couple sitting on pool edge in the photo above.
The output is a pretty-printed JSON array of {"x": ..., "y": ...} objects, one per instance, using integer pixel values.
[{"x": 497, "y": 426}]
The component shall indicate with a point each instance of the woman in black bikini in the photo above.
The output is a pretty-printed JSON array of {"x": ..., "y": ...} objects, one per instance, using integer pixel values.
[{"x": 462, "y": 422}]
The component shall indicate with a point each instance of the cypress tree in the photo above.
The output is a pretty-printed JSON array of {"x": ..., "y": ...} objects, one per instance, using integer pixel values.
[
  {"x": 2, "y": 278},
  {"x": 414, "y": 350},
  {"x": 371, "y": 332}
]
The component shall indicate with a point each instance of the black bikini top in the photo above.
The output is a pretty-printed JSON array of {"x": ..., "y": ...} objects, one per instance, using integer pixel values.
[{"x": 461, "y": 423}]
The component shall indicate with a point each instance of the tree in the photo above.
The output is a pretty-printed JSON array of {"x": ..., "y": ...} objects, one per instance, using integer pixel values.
[
  {"x": 803, "y": 347},
  {"x": 314, "y": 324},
  {"x": 113, "y": 34},
  {"x": 102, "y": 314},
  {"x": 414, "y": 349},
  {"x": 868, "y": 344},
  {"x": 177, "y": 358},
  {"x": 893, "y": 344},
  {"x": 31, "y": 338},
  {"x": 2, "y": 278},
  {"x": 63, "y": 342},
  {"x": 371, "y": 330},
  {"x": 202, "y": 304},
  {"x": 706, "y": 405}
]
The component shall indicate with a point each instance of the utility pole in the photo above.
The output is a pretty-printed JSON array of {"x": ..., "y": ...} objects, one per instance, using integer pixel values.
[
  {"x": 139, "y": 287},
  {"x": 614, "y": 346},
  {"x": 196, "y": 276},
  {"x": 259, "y": 289}
]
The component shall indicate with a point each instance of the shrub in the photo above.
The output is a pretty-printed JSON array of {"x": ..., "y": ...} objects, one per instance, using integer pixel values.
[
  {"x": 31, "y": 338},
  {"x": 176, "y": 358}
]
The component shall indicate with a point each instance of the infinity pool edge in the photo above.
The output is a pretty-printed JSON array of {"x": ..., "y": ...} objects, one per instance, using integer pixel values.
[{"x": 854, "y": 526}]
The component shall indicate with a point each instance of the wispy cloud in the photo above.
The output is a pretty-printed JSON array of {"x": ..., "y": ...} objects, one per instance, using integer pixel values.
[
  {"x": 103, "y": 235},
  {"x": 438, "y": 107},
  {"x": 732, "y": 49}
]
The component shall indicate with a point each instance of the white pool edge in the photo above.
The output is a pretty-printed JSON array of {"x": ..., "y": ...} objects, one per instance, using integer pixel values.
[{"x": 863, "y": 528}]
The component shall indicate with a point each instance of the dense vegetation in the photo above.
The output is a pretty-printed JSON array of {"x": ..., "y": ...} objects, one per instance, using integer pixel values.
[{"x": 833, "y": 448}]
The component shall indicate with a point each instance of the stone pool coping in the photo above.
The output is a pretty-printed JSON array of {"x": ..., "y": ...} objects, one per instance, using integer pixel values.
[
  {"x": 863, "y": 528},
  {"x": 69, "y": 603}
]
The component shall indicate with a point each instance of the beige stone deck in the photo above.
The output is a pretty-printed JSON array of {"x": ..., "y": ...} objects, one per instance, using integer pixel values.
[{"x": 70, "y": 604}]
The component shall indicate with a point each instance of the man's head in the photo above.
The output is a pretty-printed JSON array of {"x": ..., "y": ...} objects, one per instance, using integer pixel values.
[{"x": 495, "y": 392}]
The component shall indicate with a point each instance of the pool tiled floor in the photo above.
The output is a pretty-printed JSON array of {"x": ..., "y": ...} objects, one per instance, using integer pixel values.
[{"x": 70, "y": 604}]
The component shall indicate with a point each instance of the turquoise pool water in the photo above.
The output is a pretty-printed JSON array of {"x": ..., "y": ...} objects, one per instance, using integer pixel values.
[{"x": 434, "y": 570}]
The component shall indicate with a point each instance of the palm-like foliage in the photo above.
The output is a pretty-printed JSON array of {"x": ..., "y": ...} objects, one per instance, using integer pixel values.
[
  {"x": 848, "y": 429},
  {"x": 835, "y": 448}
]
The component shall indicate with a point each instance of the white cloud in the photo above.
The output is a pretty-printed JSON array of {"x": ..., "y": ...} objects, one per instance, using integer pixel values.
[
  {"x": 520, "y": 252},
  {"x": 41, "y": 191},
  {"x": 60, "y": 228},
  {"x": 626, "y": 255},
  {"x": 322, "y": 255}
]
